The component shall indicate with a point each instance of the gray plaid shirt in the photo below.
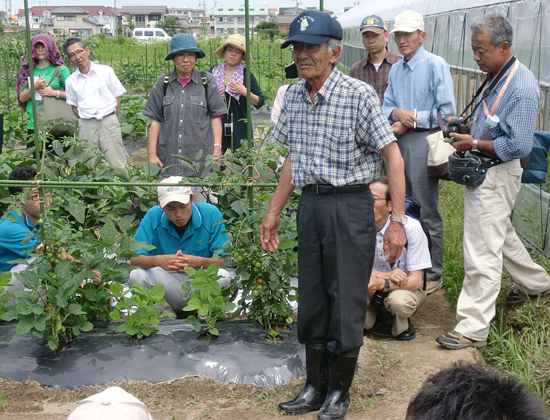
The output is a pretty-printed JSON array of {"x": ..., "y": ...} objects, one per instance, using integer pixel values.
[{"x": 338, "y": 139}]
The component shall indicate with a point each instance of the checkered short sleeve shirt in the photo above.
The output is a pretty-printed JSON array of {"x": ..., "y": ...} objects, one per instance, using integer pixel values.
[{"x": 336, "y": 140}]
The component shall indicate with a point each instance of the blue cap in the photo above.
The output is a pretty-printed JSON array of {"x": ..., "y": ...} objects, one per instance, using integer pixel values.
[
  {"x": 373, "y": 23},
  {"x": 182, "y": 43},
  {"x": 313, "y": 27}
]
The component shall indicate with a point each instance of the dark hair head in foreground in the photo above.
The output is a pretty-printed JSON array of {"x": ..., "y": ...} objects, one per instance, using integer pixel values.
[
  {"x": 472, "y": 392},
  {"x": 25, "y": 173}
]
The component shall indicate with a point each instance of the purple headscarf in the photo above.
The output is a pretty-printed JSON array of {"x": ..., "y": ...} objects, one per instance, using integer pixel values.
[{"x": 52, "y": 54}]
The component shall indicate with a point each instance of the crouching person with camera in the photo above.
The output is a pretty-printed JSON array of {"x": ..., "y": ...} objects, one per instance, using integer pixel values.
[
  {"x": 397, "y": 288},
  {"x": 502, "y": 126}
]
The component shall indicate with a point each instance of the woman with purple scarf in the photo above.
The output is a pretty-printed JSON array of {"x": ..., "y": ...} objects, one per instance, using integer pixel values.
[
  {"x": 46, "y": 58},
  {"x": 230, "y": 77}
]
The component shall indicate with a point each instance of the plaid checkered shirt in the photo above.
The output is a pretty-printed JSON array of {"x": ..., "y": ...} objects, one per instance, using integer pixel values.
[
  {"x": 364, "y": 70},
  {"x": 338, "y": 139},
  {"x": 518, "y": 111}
]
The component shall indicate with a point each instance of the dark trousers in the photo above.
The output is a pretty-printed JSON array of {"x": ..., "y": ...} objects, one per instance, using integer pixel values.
[
  {"x": 335, "y": 255},
  {"x": 414, "y": 149}
]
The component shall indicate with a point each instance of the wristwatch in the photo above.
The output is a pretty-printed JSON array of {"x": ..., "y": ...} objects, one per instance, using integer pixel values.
[
  {"x": 474, "y": 146},
  {"x": 386, "y": 288},
  {"x": 401, "y": 220}
]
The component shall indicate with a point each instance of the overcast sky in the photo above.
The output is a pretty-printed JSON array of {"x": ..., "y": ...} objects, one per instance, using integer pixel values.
[{"x": 334, "y": 5}]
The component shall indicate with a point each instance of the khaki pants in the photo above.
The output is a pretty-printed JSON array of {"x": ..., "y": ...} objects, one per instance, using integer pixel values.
[
  {"x": 490, "y": 242},
  {"x": 105, "y": 134},
  {"x": 402, "y": 304}
]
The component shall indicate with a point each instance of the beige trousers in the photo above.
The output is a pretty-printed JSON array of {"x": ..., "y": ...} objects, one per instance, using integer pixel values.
[
  {"x": 105, "y": 134},
  {"x": 402, "y": 304},
  {"x": 490, "y": 241}
]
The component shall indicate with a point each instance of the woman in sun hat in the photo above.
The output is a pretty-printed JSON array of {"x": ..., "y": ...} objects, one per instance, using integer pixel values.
[
  {"x": 185, "y": 109},
  {"x": 230, "y": 77}
]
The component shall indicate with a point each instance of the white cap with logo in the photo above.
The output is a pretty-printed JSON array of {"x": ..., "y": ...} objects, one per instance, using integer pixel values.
[
  {"x": 180, "y": 193},
  {"x": 408, "y": 21},
  {"x": 112, "y": 404}
]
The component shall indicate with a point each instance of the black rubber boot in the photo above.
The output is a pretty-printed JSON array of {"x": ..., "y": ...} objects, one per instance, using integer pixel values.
[
  {"x": 342, "y": 371},
  {"x": 314, "y": 393}
]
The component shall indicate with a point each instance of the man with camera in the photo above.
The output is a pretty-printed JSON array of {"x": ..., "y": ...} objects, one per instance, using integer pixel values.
[
  {"x": 502, "y": 126},
  {"x": 396, "y": 287},
  {"x": 419, "y": 86}
]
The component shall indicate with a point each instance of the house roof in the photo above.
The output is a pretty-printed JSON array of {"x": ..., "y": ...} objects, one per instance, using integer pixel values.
[
  {"x": 143, "y": 10},
  {"x": 69, "y": 10},
  {"x": 93, "y": 10},
  {"x": 92, "y": 21}
]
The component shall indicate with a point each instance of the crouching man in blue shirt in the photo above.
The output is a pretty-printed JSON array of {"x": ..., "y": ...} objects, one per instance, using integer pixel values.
[
  {"x": 185, "y": 234},
  {"x": 15, "y": 228}
]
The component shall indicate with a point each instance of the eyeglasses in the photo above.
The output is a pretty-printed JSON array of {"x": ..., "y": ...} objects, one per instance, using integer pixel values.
[
  {"x": 188, "y": 56},
  {"x": 232, "y": 50},
  {"x": 36, "y": 197},
  {"x": 309, "y": 49},
  {"x": 77, "y": 53}
]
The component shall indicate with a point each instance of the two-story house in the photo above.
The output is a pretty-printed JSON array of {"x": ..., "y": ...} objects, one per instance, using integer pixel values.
[
  {"x": 231, "y": 20},
  {"x": 81, "y": 21},
  {"x": 143, "y": 16}
]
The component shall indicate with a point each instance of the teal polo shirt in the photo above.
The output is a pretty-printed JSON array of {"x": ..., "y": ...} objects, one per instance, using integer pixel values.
[
  {"x": 201, "y": 239},
  {"x": 11, "y": 236}
]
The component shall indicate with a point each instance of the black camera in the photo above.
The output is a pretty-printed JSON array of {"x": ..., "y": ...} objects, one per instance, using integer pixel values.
[
  {"x": 227, "y": 129},
  {"x": 378, "y": 298},
  {"x": 456, "y": 125}
]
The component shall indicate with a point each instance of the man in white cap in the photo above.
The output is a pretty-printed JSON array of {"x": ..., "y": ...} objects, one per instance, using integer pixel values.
[
  {"x": 112, "y": 404},
  {"x": 374, "y": 69},
  {"x": 185, "y": 234},
  {"x": 419, "y": 87}
]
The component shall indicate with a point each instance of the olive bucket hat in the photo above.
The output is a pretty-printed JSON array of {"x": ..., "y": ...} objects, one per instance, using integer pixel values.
[{"x": 182, "y": 43}]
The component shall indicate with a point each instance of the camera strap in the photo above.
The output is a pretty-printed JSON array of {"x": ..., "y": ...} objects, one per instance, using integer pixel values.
[
  {"x": 485, "y": 90},
  {"x": 501, "y": 93}
]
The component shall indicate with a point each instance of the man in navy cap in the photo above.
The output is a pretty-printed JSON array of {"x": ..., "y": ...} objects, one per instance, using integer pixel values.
[
  {"x": 374, "y": 69},
  {"x": 338, "y": 136}
]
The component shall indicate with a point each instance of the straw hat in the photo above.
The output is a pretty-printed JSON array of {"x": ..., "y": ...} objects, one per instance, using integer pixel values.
[
  {"x": 182, "y": 43},
  {"x": 235, "y": 40}
]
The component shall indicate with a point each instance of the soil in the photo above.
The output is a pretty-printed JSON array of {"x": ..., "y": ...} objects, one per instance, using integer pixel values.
[{"x": 390, "y": 372}]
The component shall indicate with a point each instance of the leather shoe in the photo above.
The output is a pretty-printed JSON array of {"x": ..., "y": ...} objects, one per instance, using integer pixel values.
[{"x": 408, "y": 334}]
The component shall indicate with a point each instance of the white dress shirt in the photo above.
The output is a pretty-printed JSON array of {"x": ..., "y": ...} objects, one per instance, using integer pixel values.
[
  {"x": 95, "y": 93},
  {"x": 415, "y": 256}
]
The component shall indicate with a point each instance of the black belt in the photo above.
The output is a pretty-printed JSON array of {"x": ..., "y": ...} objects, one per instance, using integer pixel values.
[
  {"x": 331, "y": 189},
  {"x": 419, "y": 130}
]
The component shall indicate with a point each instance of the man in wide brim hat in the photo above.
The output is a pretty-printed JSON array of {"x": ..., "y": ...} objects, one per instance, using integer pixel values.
[
  {"x": 183, "y": 43},
  {"x": 236, "y": 41}
]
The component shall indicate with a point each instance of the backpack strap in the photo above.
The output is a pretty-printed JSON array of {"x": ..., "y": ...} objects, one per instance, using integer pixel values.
[
  {"x": 204, "y": 81},
  {"x": 165, "y": 86}
]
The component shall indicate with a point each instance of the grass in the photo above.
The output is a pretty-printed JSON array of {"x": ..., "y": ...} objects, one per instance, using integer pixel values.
[{"x": 519, "y": 341}]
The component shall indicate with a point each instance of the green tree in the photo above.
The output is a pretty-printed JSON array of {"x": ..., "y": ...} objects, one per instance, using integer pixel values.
[
  {"x": 131, "y": 25},
  {"x": 170, "y": 25},
  {"x": 268, "y": 30}
]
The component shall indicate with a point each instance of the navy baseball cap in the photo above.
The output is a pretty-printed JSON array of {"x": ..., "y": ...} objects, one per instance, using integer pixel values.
[
  {"x": 313, "y": 27},
  {"x": 373, "y": 23}
]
